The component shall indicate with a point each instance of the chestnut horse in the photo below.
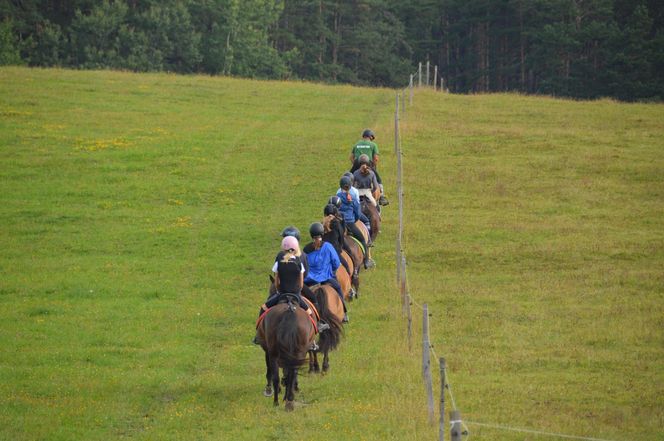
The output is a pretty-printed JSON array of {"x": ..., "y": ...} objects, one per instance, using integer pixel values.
[
  {"x": 285, "y": 334},
  {"x": 331, "y": 311}
]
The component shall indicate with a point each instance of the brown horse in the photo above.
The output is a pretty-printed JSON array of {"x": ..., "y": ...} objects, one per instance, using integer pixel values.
[
  {"x": 331, "y": 311},
  {"x": 372, "y": 213},
  {"x": 285, "y": 334}
]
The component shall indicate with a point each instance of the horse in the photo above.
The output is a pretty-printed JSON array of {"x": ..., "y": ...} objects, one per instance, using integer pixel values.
[
  {"x": 285, "y": 334},
  {"x": 371, "y": 211},
  {"x": 331, "y": 311}
]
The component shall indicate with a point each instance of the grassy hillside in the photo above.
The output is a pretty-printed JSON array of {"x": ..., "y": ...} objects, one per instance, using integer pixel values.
[{"x": 139, "y": 215}]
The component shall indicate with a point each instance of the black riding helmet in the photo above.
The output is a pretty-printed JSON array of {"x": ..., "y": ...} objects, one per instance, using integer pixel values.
[
  {"x": 291, "y": 231},
  {"x": 334, "y": 200},
  {"x": 345, "y": 182},
  {"x": 368, "y": 133},
  {"x": 316, "y": 229},
  {"x": 330, "y": 209}
]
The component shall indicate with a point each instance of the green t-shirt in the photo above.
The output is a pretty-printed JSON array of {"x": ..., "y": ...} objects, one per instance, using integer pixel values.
[{"x": 365, "y": 147}]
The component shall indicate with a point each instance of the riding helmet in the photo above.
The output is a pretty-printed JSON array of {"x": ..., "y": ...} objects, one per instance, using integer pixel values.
[
  {"x": 330, "y": 209},
  {"x": 345, "y": 182},
  {"x": 289, "y": 243},
  {"x": 368, "y": 133},
  {"x": 335, "y": 200},
  {"x": 291, "y": 231},
  {"x": 316, "y": 229}
]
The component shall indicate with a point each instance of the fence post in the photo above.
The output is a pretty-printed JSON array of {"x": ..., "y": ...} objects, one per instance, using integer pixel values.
[
  {"x": 427, "y": 74},
  {"x": 442, "y": 84},
  {"x": 403, "y": 284},
  {"x": 441, "y": 423},
  {"x": 411, "y": 89},
  {"x": 455, "y": 426},
  {"x": 419, "y": 75},
  {"x": 397, "y": 152},
  {"x": 426, "y": 360},
  {"x": 435, "y": 78}
]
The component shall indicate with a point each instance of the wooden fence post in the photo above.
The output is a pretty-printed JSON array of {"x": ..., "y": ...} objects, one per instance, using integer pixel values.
[
  {"x": 427, "y": 74},
  {"x": 411, "y": 89},
  {"x": 441, "y": 423},
  {"x": 435, "y": 78},
  {"x": 426, "y": 360},
  {"x": 403, "y": 284},
  {"x": 455, "y": 426},
  {"x": 419, "y": 75}
]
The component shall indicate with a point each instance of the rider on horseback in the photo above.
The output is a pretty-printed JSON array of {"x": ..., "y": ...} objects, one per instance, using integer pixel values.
[
  {"x": 323, "y": 262},
  {"x": 288, "y": 275},
  {"x": 368, "y": 147},
  {"x": 364, "y": 179},
  {"x": 350, "y": 210}
]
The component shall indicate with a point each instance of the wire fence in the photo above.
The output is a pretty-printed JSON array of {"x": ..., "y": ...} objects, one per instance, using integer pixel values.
[{"x": 458, "y": 429}]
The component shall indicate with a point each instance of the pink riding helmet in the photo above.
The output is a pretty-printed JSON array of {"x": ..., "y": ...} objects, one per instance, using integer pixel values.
[{"x": 289, "y": 243}]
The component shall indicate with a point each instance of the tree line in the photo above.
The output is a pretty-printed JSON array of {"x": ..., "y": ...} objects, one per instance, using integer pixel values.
[{"x": 574, "y": 48}]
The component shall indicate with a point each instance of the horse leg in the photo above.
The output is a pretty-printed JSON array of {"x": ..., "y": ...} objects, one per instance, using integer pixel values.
[
  {"x": 275, "y": 381},
  {"x": 268, "y": 375},
  {"x": 313, "y": 362},
  {"x": 356, "y": 285},
  {"x": 326, "y": 361},
  {"x": 291, "y": 383}
]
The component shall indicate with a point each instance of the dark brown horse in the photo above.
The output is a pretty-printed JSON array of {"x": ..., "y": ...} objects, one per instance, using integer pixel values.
[
  {"x": 331, "y": 311},
  {"x": 285, "y": 334}
]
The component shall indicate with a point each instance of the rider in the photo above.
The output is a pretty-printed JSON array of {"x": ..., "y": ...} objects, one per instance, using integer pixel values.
[
  {"x": 289, "y": 279},
  {"x": 368, "y": 147},
  {"x": 334, "y": 232},
  {"x": 350, "y": 210},
  {"x": 323, "y": 262},
  {"x": 288, "y": 275},
  {"x": 295, "y": 232},
  {"x": 364, "y": 179},
  {"x": 355, "y": 193}
]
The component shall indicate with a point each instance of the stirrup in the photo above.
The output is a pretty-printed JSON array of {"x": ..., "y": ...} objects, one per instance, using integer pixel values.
[{"x": 382, "y": 200}]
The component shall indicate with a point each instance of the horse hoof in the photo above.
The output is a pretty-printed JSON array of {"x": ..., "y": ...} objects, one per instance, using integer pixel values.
[
  {"x": 267, "y": 392},
  {"x": 289, "y": 406}
]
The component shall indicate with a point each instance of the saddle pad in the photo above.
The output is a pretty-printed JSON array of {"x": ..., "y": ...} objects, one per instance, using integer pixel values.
[
  {"x": 311, "y": 319},
  {"x": 358, "y": 243}
]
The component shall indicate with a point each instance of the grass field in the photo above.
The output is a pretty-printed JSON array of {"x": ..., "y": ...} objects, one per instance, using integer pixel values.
[{"x": 139, "y": 215}]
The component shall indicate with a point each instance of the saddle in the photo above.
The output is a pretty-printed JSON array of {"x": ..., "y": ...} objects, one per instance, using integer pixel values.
[{"x": 291, "y": 299}]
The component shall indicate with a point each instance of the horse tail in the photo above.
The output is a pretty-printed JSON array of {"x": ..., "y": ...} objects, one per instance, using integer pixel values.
[
  {"x": 289, "y": 341},
  {"x": 330, "y": 338}
]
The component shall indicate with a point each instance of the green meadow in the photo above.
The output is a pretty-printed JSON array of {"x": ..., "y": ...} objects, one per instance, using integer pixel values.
[{"x": 140, "y": 215}]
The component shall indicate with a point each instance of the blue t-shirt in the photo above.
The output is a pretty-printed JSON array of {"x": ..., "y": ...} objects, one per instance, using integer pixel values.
[{"x": 323, "y": 263}]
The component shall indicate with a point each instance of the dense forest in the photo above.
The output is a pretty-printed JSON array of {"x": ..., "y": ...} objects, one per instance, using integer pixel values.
[{"x": 575, "y": 48}]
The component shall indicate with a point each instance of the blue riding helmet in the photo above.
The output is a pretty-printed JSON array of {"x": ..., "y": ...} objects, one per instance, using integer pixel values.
[{"x": 368, "y": 133}]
